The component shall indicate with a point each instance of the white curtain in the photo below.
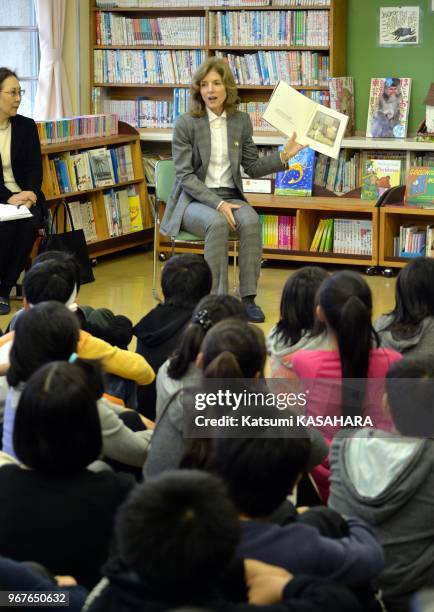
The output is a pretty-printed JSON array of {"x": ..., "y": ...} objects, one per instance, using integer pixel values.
[{"x": 53, "y": 99}]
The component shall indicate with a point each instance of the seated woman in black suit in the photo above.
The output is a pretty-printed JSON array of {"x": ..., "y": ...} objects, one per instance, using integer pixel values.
[{"x": 20, "y": 183}]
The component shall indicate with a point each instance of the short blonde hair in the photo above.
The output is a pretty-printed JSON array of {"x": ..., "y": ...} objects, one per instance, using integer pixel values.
[{"x": 197, "y": 105}]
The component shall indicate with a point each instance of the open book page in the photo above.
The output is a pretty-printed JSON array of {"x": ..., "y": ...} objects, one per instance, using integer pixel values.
[
  {"x": 316, "y": 125},
  {"x": 289, "y": 111},
  {"x": 9, "y": 212}
]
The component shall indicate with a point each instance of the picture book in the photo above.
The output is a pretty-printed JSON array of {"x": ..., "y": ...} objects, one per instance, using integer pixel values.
[
  {"x": 102, "y": 167},
  {"x": 389, "y": 101},
  {"x": 297, "y": 180},
  {"x": 319, "y": 127},
  {"x": 342, "y": 100},
  {"x": 379, "y": 175},
  {"x": 420, "y": 186},
  {"x": 135, "y": 209}
]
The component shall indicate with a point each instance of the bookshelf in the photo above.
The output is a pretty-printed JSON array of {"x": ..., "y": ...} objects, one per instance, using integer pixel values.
[
  {"x": 307, "y": 213},
  {"x": 151, "y": 50},
  {"x": 392, "y": 217},
  {"x": 102, "y": 242}
]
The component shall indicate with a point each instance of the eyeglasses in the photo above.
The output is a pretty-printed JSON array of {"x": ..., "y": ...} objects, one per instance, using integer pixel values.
[{"x": 15, "y": 93}]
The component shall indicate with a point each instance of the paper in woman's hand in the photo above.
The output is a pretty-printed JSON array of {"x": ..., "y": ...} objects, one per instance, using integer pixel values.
[{"x": 9, "y": 212}]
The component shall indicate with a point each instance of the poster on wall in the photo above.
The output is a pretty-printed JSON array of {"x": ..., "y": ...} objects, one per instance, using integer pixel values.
[{"x": 399, "y": 26}]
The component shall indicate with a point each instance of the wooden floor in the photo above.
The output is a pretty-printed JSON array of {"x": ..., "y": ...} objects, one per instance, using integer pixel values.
[{"x": 123, "y": 284}]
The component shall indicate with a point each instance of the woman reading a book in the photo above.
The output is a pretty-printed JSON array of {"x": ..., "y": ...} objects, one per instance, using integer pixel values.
[
  {"x": 210, "y": 142},
  {"x": 20, "y": 184}
]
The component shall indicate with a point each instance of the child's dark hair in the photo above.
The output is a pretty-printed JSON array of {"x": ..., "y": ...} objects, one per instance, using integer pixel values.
[
  {"x": 57, "y": 429},
  {"x": 50, "y": 280},
  {"x": 346, "y": 301},
  {"x": 61, "y": 257},
  {"x": 210, "y": 310},
  {"x": 167, "y": 528},
  {"x": 414, "y": 297},
  {"x": 233, "y": 349},
  {"x": 297, "y": 305},
  {"x": 260, "y": 472},
  {"x": 185, "y": 280},
  {"x": 410, "y": 393},
  {"x": 47, "y": 332}
]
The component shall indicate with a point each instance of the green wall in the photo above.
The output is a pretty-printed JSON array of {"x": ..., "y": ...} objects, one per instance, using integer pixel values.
[{"x": 366, "y": 60}]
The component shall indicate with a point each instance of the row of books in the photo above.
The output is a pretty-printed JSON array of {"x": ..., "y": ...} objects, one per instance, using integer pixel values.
[
  {"x": 144, "y": 113},
  {"x": 77, "y": 128},
  {"x": 123, "y": 211},
  {"x": 375, "y": 171},
  {"x": 279, "y": 231},
  {"x": 90, "y": 169},
  {"x": 105, "y": 4},
  {"x": 269, "y": 28},
  {"x": 83, "y": 217},
  {"x": 296, "y": 68},
  {"x": 348, "y": 236},
  {"x": 143, "y": 66},
  {"x": 115, "y": 29},
  {"x": 414, "y": 241}
]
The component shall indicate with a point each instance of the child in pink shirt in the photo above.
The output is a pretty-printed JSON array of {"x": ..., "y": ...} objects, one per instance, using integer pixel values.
[{"x": 344, "y": 304}]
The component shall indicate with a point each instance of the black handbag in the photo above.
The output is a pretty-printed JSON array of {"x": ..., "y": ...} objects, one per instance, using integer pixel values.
[{"x": 72, "y": 241}]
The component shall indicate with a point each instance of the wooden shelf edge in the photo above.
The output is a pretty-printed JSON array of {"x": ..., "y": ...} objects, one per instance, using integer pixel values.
[
  {"x": 120, "y": 243},
  {"x": 73, "y": 194},
  {"x": 407, "y": 210}
]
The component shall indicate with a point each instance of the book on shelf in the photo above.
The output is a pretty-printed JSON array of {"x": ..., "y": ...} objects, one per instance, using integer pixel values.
[
  {"x": 102, "y": 167},
  {"x": 114, "y": 29},
  {"x": 342, "y": 100},
  {"x": 83, "y": 218},
  {"x": 89, "y": 169},
  {"x": 388, "y": 107},
  {"x": 298, "y": 68},
  {"x": 77, "y": 128},
  {"x": 344, "y": 236},
  {"x": 252, "y": 28},
  {"x": 135, "y": 209},
  {"x": 420, "y": 186},
  {"x": 278, "y": 231},
  {"x": 297, "y": 179},
  {"x": 105, "y": 4},
  {"x": 317, "y": 126},
  {"x": 146, "y": 66},
  {"x": 411, "y": 241},
  {"x": 378, "y": 176}
]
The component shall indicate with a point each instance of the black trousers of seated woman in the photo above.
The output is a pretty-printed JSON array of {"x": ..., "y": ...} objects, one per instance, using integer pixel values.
[{"x": 16, "y": 242}]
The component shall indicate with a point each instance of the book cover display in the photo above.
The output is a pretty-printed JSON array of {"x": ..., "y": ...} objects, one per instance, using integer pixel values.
[
  {"x": 342, "y": 100},
  {"x": 379, "y": 175},
  {"x": 297, "y": 180},
  {"x": 389, "y": 101},
  {"x": 420, "y": 186}
]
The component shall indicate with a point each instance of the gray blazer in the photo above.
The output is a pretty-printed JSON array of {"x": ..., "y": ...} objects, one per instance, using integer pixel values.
[{"x": 191, "y": 150}]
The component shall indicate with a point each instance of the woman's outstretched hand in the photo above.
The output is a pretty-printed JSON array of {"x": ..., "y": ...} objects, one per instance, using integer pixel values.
[{"x": 292, "y": 147}]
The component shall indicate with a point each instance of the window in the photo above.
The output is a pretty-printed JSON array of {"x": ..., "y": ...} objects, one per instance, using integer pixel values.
[{"x": 20, "y": 47}]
